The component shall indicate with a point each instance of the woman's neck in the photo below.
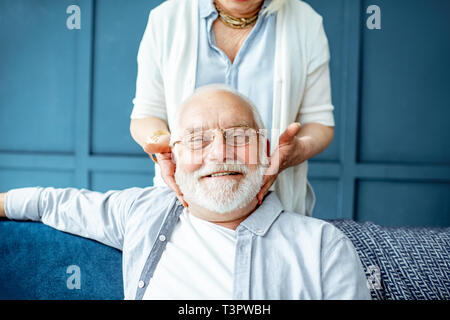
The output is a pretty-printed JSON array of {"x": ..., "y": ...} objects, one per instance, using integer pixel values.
[{"x": 243, "y": 12}]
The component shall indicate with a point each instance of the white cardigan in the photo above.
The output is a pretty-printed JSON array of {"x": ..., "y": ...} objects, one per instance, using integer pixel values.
[{"x": 167, "y": 67}]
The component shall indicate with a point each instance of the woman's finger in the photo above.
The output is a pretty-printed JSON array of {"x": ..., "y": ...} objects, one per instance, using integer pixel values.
[
  {"x": 165, "y": 156},
  {"x": 168, "y": 174},
  {"x": 274, "y": 164},
  {"x": 265, "y": 188},
  {"x": 151, "y": 148},
  {"x": 171, "y": 183},
  {"x": 160, "y": 144},
  {"x": 289, "y": 134}
]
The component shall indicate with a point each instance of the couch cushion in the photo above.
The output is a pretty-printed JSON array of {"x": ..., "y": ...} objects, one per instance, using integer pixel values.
[
  {"x": 34, "y": 261},
  {"x": 402, "y": 263}
]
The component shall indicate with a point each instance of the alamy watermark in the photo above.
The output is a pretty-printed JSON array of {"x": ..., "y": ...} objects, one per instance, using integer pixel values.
[
  {"x": 74, "y": 20},
  {"x": 74, "y": 279},
  {"x": 374, "y": 277},
  {"x": 374, "y": 20}
]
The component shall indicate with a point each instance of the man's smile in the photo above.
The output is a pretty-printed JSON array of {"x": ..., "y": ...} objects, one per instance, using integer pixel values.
[{"x": 223, "y": 174}]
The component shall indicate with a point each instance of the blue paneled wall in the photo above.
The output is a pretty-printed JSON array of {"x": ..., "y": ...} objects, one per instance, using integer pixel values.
[{"x": 65, "y": 101}]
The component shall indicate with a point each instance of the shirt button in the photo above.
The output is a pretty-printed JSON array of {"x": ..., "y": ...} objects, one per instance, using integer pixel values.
[
  {"x": 141, "y": 284},
  {"x": 162, "y": 238}
]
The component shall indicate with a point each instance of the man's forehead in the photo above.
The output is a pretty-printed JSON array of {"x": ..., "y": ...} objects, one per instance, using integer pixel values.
[
  {"x": 205, "y": 115},
  {"x": 202, "y": 127}
]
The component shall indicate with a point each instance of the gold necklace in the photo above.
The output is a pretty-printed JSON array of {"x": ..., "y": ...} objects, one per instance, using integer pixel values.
[{"x": 236, "y": 23}]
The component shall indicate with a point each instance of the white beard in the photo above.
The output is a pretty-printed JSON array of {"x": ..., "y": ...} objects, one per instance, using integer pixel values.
[{"x": 217, "y": 195}]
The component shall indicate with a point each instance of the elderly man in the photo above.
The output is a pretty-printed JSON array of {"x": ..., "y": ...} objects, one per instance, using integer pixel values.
[{"x": 224, "y": 244}]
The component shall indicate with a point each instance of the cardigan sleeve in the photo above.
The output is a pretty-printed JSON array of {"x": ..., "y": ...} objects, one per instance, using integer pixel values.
[
  {"x": 150, "y": 98},
  {"x": 316, "y": 105}
]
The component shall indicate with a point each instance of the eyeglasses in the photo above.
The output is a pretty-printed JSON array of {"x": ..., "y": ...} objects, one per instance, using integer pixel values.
[{"x": 234, "y": 137}]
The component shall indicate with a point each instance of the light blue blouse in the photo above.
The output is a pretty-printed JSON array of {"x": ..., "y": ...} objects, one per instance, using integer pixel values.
[{"x": 252, "y": 71}]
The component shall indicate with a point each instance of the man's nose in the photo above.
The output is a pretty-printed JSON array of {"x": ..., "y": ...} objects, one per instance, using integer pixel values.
[{"x": 218, "y": 150}]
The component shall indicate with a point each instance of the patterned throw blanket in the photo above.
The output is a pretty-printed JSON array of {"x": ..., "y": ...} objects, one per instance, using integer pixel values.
[{"x": 402, "y": 263}]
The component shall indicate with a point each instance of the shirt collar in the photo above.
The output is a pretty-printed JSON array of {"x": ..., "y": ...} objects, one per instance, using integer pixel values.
[
  {"x": 262, "y": 218},
  {"x": 207, "y": 7}
]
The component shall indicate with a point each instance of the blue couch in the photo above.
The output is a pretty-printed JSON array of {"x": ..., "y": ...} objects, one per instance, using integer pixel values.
[{"x": 35, "y": 262}]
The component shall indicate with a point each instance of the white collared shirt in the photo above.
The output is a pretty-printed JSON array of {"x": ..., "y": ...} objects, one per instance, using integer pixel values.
[{"x": 197, "y": 263}]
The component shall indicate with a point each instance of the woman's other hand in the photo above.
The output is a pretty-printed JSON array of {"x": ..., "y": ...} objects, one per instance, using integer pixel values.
[{"x": 289, "y": 152}]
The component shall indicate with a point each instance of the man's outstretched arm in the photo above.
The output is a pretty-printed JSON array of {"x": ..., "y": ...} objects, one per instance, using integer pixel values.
[
  {"x": 90, "y": 214},
  {"x": 2, "y": 205}
]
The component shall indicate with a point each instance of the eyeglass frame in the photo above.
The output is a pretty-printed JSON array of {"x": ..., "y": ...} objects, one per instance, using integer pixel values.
[{"x": 257, "y": 133}]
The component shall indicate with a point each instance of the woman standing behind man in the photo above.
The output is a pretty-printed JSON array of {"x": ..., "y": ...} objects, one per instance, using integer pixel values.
[{"x": 273, "y": 51}]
